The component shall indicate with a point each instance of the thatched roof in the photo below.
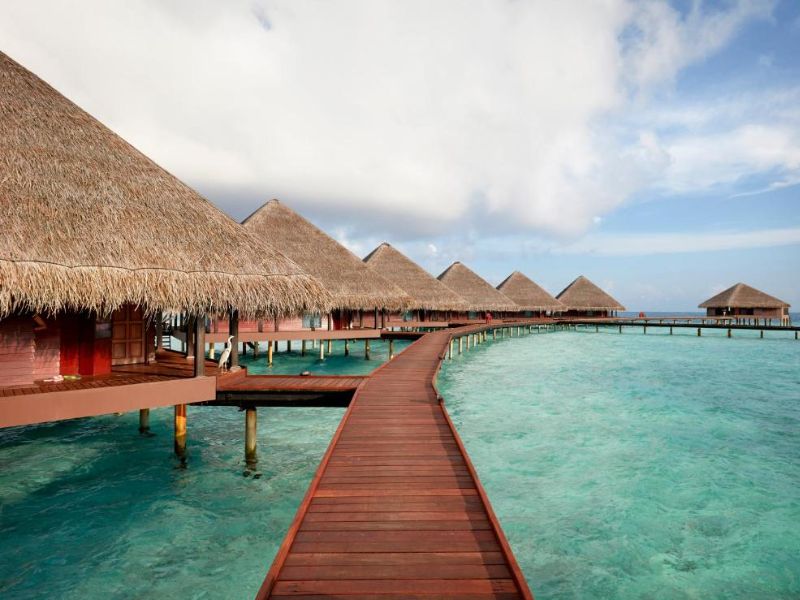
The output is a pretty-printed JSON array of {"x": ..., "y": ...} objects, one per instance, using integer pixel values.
[
  {"x": 88, "y": 222},
  {"x": 743, "y": 296},
  {"x": 582, "y": 294},
  {"x": 479, "y": 294},
  {"x": 352, "y": 284},
  {"x": 527, "y": 294},
  {"x": 426, "y": 292}
]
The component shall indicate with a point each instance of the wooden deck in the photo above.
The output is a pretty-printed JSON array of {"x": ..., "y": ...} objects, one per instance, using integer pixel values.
[{"x": 395, "y": 509}]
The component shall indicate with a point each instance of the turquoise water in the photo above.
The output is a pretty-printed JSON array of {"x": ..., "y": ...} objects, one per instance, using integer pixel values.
[
  {"x": 633, "y": 466},
  {"x": 335, "y": 363}
]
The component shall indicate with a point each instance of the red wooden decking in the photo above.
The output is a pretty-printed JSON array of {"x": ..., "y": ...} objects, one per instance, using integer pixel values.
[
  {"x": 289, "y": 383},
  {"x": 396, "y": 509}
]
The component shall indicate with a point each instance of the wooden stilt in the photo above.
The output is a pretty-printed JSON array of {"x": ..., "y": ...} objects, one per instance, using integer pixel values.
[
  {"x": 144, "y": 420},
  {"x": 670, "y": 329},
  {"x": 303, "y": 348},
  {"x": 211, "y": 351},
  {"x": 250, "y": 435},
  {"x": 698, "y": 332},
  {"x": 330, "y": 347},
  {"x": 460, "y": 345},
  {"x": 288, "y": 345},
  {"x": 180, "y": 430},
  {"x": 729, "y": 332},
  {"x": 494, "y": 334},
  {"x": 270, "y": 350},
  {"x": 450, "y": 350},
  {"x": 620, "y": 328},
  {"x": 645, "y": 329},
  {"x": 347, "y": 347},
  {"x": 367, "y": 355},
  {"x": 322, "y": 350},
  {"x": 762, "y": 334},
  {"x": 391, "y": 349}
]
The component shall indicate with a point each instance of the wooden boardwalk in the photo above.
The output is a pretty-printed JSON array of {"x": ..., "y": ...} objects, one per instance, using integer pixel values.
[{"x": 395, "y": 509}]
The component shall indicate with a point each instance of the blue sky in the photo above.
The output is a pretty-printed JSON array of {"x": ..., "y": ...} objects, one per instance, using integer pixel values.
[{"x": 651, "y": 146}]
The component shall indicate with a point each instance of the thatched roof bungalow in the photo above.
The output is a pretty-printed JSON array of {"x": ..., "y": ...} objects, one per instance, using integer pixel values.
[
  {"x": 747, "y": 304},
  {"x": 479, "y": 294},
  {"x": 93, "y": 229},
  {"x": 584, "y": 299},
  {"x": 353, "y": 285},
  {"x": 426, "y": 292},
  {"x": 528, "y": 295}
]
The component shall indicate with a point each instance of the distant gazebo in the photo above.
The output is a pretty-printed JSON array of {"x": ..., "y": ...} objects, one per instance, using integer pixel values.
[
  {"x": 429, "y": 297},
  {"x": 582, "y": 298},
  {"x": 747, "y": 305},
  {"x": 480, "y": 295},
  {"x": 530, "y": 297}
]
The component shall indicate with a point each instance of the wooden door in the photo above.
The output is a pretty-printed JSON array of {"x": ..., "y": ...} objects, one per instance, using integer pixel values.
[{"x": 127, "y": 336}]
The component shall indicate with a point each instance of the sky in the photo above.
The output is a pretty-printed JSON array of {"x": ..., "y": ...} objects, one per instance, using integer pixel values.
[{"x": 653, "y": 147}]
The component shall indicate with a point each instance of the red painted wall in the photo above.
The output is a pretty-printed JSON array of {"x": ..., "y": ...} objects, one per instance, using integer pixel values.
[
  {"x": 16, "y": 351},
  {"x": 81, "y": 354}
]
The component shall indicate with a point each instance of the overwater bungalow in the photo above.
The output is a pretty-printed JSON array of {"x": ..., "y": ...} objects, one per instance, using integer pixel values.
[
  {"x": 582, "y": 298},
  {"x": 431, "y": 300},
  {"x": 748, "y": 305},
  {"x": 361, "y": 297},
  {"x": 481, "y": 296},
  {"x": 531, "y": 299},
  {"x": 100, "y": 246}
]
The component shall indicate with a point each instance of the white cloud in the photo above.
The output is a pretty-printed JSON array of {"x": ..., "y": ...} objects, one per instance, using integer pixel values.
[
  {"x": 600, "y": 244},
  {"x": 421, "y": 113}
]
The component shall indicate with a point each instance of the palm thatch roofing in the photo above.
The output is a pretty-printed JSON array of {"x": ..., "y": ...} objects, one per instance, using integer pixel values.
[
  {"x": 426, "y": 292},
  {"x": 742, "y": 295},
  {"x": 352, "y": 284},
  {"x": 582, "y": 294},
  {"x": 479, "y": 294},
  {"x": 89, "y": 222},
  {"x": 527, "y": 294}
]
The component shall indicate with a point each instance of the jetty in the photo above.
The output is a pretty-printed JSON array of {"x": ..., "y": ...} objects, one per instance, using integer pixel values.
[{"x": 396, "y": 508}]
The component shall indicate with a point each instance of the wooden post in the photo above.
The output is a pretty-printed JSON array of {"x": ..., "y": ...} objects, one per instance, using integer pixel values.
[
  {"x": 288, "y": 345},
  {"x": 729, "y": 332},
  {"x": 391, "y": 349},
  {"x": 144, "y": 420},
  {"x": 199, "y": 346},
  {"x": 233, "y": 329},
  {"x": 322, "y": 349},
  {"x": 366, "y": 350},
  {"x": 670, "y": 329},
  {"x": 383, "y": 319},
  {"x": 450, "y": 350},
  {"x": 620, "y": 328},
  {"x": 250, "y": 431},
  {"x": 159, "y": 331},
  {"x": 460, "y": 345},
  {"x": 645, "y": 328},
  {"x": 347, "y": 347},
  {"x": 762, "y": 334},
  {"x": 270, "y": 350},
  {"x": 211, "y": 351},
  {"x": 494, "y": 334},
  {"x": 180, "y": 430},
  {"x": 330, "y": 346},
  {"x": 303, "y": 348},
  {"x": 698, "y": 332}
]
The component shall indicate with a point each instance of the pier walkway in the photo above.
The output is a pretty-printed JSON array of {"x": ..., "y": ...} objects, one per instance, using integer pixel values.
[{"x": 396, "y": 509}]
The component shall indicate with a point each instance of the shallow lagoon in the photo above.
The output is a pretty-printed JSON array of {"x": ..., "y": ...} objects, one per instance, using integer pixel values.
[{"x": 632, "y": 466}]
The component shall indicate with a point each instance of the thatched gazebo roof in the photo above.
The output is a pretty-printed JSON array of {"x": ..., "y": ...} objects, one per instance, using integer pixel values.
[
  {"x": 742, "y": 295},
  {"x": 582, "y": 294},
  {"x": 426, "y": 292},
  {"x": 352, "y": 284},
  {"x": 89, "y": 222},
  {"x": 479, "y": 294},
  {"x": 527, "y": 294}
]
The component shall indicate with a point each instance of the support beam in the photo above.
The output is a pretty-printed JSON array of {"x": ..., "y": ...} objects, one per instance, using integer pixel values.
[
  {"x": 450, "y": 350},
  {"x": 698, "y": 332},
  {"x": 144, "y": 420},
  {"x": 347, "y": 347},
  {"x": 233, "y": 329},
  {"x": 367, "y": 349},
  {"x": 288, "y": 345},
  {"x": 180, "y": 430},
  {"x": 461, "y": 345},
  {"x": 330, "y": 347},
  {"x": 199, "y": 346},
  {"x": 250, "y": 436},
  {"x": 322, "y": 349},
  {"x": 391, "y": 349},
  {"x": 303, "y": 348},
  {"x": 270, "y": 350},
  {"x": 211, "y": 351}
]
